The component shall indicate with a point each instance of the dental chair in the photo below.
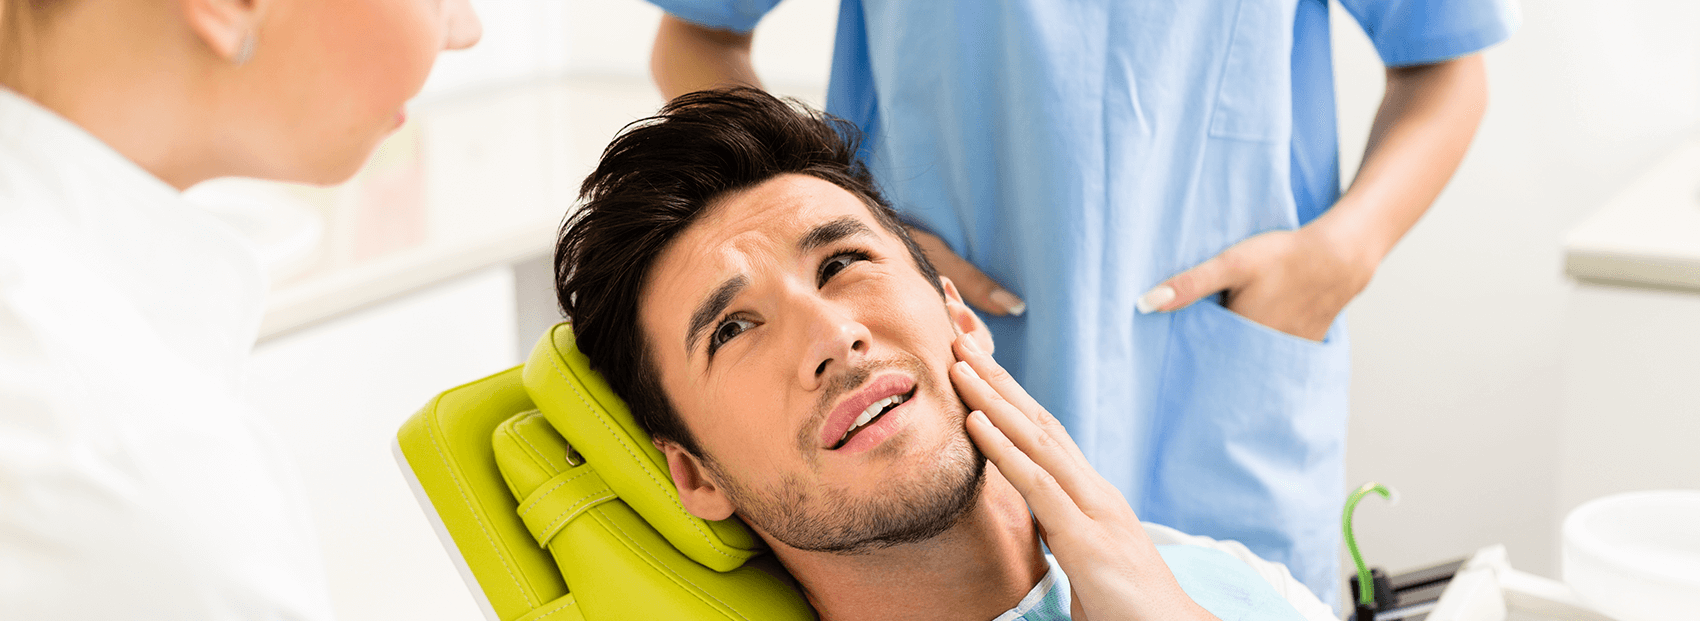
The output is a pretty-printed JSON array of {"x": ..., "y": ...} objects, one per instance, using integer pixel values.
[{"x": 554, "y": 504}]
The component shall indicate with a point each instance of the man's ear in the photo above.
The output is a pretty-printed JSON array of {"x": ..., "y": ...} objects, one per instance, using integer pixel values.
[
  {"x": 697, "y": 492},
  {"x": 226, "y": 26},
  {"x": 963, "y": 318}
]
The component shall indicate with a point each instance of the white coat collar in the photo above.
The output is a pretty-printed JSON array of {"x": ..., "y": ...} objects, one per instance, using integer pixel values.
[
  {"x": 69, "y": 153},
  {"x": 182, "y": 271}
]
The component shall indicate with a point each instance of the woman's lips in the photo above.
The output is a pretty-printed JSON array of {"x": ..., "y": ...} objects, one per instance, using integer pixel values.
[{"x": 844, "y": 415}]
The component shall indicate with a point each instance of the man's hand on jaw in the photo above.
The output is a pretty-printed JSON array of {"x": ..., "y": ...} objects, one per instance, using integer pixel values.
[{"x": 1114, "y": 570}]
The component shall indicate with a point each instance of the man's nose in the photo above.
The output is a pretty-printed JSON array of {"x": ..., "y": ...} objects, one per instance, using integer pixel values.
[{"x": 835, "y": 338}]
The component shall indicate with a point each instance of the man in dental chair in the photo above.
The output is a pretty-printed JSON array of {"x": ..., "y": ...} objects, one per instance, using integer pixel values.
[{"x": 736, "y": 277}]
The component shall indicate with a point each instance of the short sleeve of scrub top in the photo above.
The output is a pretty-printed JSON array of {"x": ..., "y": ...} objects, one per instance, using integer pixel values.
[
  {"x": 1415, "y": 32},
  {"x": 733, "y": 15}
]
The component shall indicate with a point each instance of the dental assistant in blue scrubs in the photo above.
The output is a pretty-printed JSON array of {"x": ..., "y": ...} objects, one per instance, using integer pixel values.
[{"x": 1144, "y": 197}]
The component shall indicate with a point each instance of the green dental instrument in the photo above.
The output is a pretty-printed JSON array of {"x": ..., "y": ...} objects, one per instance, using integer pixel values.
[{"x": 1366, "y": 585}]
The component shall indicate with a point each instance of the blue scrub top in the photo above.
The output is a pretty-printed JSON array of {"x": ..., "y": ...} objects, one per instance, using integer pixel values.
[{"x": 1080, "y": 153}]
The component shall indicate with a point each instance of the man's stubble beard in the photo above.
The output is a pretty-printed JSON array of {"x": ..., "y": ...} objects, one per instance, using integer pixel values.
[{"x": 825, "y": 519}]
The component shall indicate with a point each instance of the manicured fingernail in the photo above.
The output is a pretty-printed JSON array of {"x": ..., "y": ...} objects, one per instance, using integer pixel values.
[
  {"x": 969, "y": 344},
  {"x": 980, "y": 416},
  {"x": 1155, "y": 299},
  {"x": 968, "y": 370},
  {"x": 1011, "y": 304}
]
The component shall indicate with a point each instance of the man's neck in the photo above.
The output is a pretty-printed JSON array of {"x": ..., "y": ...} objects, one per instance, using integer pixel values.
[{"x": 974, "y": 571}]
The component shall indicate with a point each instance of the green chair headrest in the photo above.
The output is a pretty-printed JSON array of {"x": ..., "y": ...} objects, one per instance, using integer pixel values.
[{"x": 581, "y": 406}]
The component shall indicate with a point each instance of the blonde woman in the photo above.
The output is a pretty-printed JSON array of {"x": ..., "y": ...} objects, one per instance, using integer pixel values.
[{"x": 134, "y": 481}]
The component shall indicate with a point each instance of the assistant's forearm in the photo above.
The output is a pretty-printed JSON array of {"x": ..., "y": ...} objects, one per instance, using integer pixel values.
[
  {"x": 1426, "y": 121},
  {"x": 688, "y": 57}
]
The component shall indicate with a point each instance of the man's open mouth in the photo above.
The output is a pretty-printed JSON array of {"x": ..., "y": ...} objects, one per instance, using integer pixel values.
[{"x": 874, "y": 412}]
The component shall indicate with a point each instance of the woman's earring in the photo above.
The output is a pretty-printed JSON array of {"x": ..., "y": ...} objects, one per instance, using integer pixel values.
[{"x": 244, "y": 50}]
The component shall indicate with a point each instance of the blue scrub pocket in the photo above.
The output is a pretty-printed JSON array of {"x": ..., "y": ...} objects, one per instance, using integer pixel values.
[{"x": 1249, "y": 438}]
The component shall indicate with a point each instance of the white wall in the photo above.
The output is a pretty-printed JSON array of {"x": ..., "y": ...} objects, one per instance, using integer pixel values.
[
  {"x": 1487, "y": 387},
  {"x": 522, "y": 40}
]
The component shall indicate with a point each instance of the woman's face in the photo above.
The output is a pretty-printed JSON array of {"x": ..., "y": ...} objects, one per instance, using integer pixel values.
[{"x": 329, "y": 78}]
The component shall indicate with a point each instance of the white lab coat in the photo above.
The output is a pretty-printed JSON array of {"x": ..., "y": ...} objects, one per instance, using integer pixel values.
[{"x": 135, "y": 483}]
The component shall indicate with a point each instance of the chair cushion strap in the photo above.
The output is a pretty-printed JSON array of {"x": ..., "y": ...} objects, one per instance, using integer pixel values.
[{"x": 562, "y": 499}]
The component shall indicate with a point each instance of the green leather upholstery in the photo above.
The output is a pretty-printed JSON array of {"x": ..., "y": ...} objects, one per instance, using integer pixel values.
[
  {"x": 448, "y": 457},
  {"x": 556, "y": 505},
  {"x": 588, "y": 414}
]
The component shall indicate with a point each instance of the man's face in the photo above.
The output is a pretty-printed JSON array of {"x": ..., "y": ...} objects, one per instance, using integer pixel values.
[{"x": 779, "y": 322}]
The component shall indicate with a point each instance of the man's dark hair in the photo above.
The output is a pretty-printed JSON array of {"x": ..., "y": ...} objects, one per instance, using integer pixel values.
[{"x": 656, "y": 178}]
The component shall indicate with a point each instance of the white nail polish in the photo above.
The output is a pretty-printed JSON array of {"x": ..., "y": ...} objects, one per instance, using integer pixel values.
[
  {"x": 1011, "y": 304},
  {"x": 1154, "y": 299}
]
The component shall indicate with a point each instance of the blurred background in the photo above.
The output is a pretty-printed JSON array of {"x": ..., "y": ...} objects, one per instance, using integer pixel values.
[{"x": 1533, "y": 343}]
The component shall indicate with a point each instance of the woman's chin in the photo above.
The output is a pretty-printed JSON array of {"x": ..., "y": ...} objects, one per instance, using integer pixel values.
[{"x": 326, "y": 170}]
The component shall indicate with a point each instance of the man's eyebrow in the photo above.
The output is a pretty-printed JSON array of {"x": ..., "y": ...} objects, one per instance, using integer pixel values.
[
  {"x": 829, "y": 232},
  {"x": 711, "y": 308}
]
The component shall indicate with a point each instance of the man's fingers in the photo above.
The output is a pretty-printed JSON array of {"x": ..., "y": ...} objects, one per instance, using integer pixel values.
[
  {"x": 1045, "y": 445},
  {"x": 987, "y": 368},
  {"x": 1005, "y": 387},
  {"x": 1216, "y": 274},
  {"x": 977, "y": 288},
  {"x": 1051, "y": 504}
]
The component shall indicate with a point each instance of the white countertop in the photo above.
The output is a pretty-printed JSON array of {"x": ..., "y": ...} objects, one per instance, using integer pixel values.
[
  {"x": 1649, "y": 234},
  {"x": 470, "y": 182}
]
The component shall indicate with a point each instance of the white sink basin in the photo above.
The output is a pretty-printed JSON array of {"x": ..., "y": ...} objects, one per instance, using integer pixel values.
[{"x": 1636, "y": 556}]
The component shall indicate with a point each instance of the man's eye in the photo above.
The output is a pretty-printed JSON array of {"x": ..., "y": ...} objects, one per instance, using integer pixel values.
[
  {"x": 836, "y": 263},
  {"x": 727, "y": 329}
]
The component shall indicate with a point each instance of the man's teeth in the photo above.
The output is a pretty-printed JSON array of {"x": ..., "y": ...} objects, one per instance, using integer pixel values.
[{"x": 873, "y": 411}]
